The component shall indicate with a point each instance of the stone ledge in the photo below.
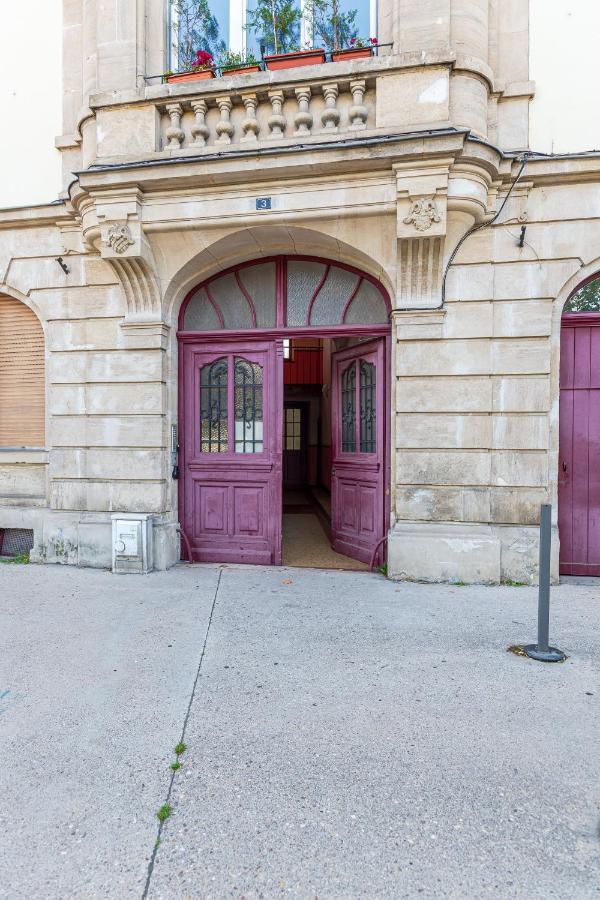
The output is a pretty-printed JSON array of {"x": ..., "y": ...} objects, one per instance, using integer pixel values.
[
  {"x": 11, "y": 456},
  {"x": 265, "y": 80},
  {"x": 473, "y": 554}
]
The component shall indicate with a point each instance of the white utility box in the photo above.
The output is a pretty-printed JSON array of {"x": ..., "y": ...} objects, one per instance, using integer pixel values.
[{"x": 132, "y": 549}]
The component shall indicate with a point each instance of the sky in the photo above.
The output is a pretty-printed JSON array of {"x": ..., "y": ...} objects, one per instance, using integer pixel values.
[
  {"x": 30, "y": 102},
  {"x": 563, "y": 37}
]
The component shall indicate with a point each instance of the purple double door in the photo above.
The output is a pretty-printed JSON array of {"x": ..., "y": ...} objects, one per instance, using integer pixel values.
[
  {"x": 579, "y": 456},
  {"x": 232, "y": 411}
]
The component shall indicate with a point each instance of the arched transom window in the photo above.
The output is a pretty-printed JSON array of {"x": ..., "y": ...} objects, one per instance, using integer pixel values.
[
  {"x": 586, "y": 299},
  {"x": 294, "y": 292}
]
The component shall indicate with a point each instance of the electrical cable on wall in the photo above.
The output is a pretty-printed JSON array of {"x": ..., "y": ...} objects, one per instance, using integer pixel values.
[{"x": 475, "y": 228}]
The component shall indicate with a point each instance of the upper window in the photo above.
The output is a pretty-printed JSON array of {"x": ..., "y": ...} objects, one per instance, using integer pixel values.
[
  {"x": 294, "y": 292},
  {"x": 22, "y": 376},
  {"x": 586, "y": 299},
  {"x": 246, "y": 27}
]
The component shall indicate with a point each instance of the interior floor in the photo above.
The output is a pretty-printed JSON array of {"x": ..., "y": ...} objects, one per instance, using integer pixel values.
[
  {"x": 307, "y": 457},
  {"x": 306, "y": 539}
]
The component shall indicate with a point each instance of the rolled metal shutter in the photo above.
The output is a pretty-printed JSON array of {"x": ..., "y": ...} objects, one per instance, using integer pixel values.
[{"x": 22, "y": 376}]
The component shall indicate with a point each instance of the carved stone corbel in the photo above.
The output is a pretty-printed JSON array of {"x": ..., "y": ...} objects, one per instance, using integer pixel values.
[
  {"x": 124, "y": 245},
  {"x": 422, "y": 195}
]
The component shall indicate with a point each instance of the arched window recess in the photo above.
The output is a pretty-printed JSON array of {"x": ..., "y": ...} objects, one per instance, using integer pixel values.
[
  {"x": 296, "y": 292},
  {"x": 586, "y": 299}
]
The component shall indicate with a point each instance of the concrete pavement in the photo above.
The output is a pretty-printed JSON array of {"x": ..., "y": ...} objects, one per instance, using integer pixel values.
[{"x": 347, "y": 737}]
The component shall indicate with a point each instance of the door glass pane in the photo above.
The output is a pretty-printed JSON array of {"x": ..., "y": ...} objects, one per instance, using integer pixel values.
[
  {"x": 368, "y": 412},
  {"x": 293, "y": 428},
  {"x": 303, "y": 279},
  {"x": 348, "y": 406},
  {"x": 248, "y": 407},
  {"x": 213, "y": 407}
]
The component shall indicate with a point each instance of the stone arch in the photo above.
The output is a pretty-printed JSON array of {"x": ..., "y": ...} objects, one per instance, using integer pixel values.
[{"x": 265, "y": 241}]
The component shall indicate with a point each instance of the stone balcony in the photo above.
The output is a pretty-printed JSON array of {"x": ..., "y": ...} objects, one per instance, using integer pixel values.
[{"x": 326, "y": 103}]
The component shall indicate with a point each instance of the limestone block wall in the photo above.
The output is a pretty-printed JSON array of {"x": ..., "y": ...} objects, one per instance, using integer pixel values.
[
  {"x": 476, "y": 395},
  {"x": 105, "y": 409}
]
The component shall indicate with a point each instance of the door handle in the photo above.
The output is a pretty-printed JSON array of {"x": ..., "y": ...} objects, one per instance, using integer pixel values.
[
  {"x": 564, "y": 467},
  {"x": 333, "y": 471}
]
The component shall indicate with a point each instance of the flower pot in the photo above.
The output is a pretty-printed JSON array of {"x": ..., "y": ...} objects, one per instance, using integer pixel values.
[
  {"x": 240, "y": 70},
  {"x": 352, "y": 53},
  {"x": 293, "y": 60},
  {"x": 191, "y": 76}
]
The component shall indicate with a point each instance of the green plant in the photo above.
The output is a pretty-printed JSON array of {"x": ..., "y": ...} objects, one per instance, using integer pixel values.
[
  {"x": 232, "y": 60},
  {"x": 586, "y": 299},
  {"x": 276, "y": 24},
  {"x": 357, "y": 43},
  {"x": 18, "y": 558},
  {"x": 194, "y": 26},
  {"x": 335, "y": 28},
  {"x": 180, "y": 748},
  {"x": 175, "y": 765},
  {"x": 164, "y": 812}
]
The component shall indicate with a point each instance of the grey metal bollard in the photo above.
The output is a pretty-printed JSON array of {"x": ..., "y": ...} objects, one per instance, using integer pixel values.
[{"x": 541, "y": 651}]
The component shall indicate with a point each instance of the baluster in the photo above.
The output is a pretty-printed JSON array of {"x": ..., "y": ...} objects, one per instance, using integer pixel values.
[
  {"x": 303, "y": 119},
  {"x": 276, "y": 119},
  {"x": 358, "y": 111},
  {"x": 200, "y": 130},
  {"x": 330, "y": 116},
  {"x": 174, "y": 131},
  {"x": 250, "y": 125},
  {"x": 224, "y": 128}
]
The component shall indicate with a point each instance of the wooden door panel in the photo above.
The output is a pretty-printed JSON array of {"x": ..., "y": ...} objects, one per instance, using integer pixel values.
[
  {"x": 211, "y": 500},
  {"x": 250, "y": 511},
  {"x": 358, "y": 449},
  {"x": 232, "y": 451},
  {"x": 579, "y": 437}
]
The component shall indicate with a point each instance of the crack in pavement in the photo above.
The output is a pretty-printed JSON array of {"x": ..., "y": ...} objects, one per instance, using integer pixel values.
[{"x": 181, "y": 739}]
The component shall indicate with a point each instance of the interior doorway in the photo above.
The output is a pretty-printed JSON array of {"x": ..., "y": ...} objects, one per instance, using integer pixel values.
[
  {"x": 284, "y": 393},
  {"x": 307, "y": 440}
]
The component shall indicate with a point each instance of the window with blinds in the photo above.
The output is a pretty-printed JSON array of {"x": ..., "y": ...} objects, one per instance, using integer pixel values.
[{"x": 22, "y": 376}]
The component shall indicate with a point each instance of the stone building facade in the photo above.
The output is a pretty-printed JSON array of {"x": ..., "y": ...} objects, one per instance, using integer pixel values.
[{"x": 379, "y": 166}]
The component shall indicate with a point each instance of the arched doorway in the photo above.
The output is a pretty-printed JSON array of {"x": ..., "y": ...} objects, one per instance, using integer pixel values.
[
  {"x": 579, "y": 432},
  {"x": 283, "y": 371}
]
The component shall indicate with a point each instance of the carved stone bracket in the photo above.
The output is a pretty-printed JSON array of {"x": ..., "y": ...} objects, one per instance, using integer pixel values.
[{"x": 422, "y": 194}]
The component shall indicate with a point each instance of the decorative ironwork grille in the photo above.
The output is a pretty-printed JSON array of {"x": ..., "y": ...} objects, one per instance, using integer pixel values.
[
  {"x": 248, "y": 380},
  {"x": 349, "y": 409},
  {"x": 213, "y": 407},
  {"x": 368, "y": 439}
]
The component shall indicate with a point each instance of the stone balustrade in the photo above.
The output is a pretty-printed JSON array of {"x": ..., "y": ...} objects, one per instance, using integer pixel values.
[{"x": 259, "y": 117}]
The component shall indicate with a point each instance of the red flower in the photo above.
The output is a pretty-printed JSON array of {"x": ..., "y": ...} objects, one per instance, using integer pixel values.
[
  {"x": 373, "y": 41},
  {"x": 352, "y": 42},
  {"x": 203, "y": 59}
]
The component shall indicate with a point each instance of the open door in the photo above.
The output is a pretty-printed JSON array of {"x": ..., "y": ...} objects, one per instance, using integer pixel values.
[
  {"x": 232, "y": 409},
  {"x": 358, "y": 451}
]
